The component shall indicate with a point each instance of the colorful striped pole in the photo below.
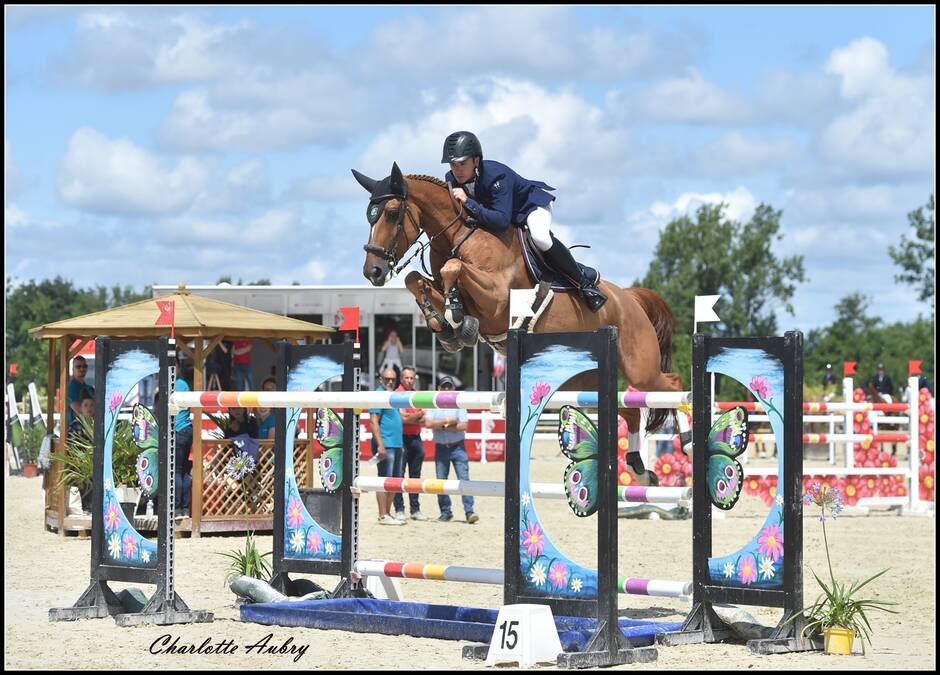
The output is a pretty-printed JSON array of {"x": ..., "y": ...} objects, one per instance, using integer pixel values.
[
  {"x": 815, "y": 407},
  {"x": 488, "y": 575},
  {"x": 449, "y": 400},
  {"x": 840, "y": 438},
  {"x": 493, "y": 488}
]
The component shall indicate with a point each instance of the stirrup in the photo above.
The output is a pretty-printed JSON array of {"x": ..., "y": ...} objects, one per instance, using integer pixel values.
[{"x": 593, "y": 297}]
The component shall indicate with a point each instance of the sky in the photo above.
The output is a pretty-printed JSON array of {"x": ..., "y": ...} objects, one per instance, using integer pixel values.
[{"x": 153, "y": 145}]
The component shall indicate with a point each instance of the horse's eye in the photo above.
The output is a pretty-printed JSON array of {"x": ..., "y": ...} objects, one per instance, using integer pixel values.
[{"x": 391, "y": 214}]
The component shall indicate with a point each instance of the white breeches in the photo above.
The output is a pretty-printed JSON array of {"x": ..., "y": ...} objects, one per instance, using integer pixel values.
[{"x": 539, "y": 223}]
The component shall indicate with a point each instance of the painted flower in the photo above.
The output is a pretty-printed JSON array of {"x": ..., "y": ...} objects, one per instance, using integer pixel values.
[
  {"x": 576, "y": 584},
  {"x": 538, "y": 574},
  {"x": 761, "y": 386},
  {"x": 747, "y": 570},
  {"x": 314, "y": 542},
  {"x": 770, "y": 542},
  {"x": 539, "y": 391},
  {"x": 767, "y": 570},
  {"x": 114, "y": 546},
  {"x": 525, "y": 499},
  {"x": 111, "y": 517},
  {"x": 145, "y": 555},
  {"x": 558, "y": 574},
  {"x": 533, "y": 539},
  {"x": 130, "y": 545},
  {"x": 329, "y": 548},
  {"x": 295, "y": 516},
  {"x": 115, "y": 401},
  {"x": 729, "y": 570},
  {"x": 297, "y": 540}
]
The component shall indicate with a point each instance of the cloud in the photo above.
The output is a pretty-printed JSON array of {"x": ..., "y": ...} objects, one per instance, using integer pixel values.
[
  {"x": 13, "y": 216},
  {"x": 13, "y": 181},
  {"x": 115, "y": 176},
  {"x": 326, "y": 188},
  {"x": 131, "y": 49},
  {"x": 689, "y": 99},
  {"x": 246, "y": 187},
  {"x": 891, "y": 130},
  {"x": 273, "y": 229},
  {"x": 733, "y": 154}
]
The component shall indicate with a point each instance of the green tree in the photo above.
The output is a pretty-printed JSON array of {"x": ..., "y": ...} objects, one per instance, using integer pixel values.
[
  {"x": 854, "y": 335},
  {"x": 713, "y": 255},
  {"x": 228, "y": 280},
  {"x": 33, "y": 304},
  {"x": 915, "y": 256}
]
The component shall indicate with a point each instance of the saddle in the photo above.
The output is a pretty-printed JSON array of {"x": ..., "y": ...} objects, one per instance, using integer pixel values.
[{"x": 540, "y": 271}]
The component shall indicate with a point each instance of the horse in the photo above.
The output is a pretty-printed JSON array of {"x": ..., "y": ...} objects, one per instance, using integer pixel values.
[{"x": 465, "y": 298}]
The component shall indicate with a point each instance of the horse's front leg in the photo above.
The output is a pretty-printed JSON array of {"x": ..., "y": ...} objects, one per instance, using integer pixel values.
[
  {"x": 466, "y": 327},
  {"x": 431, "y": 304}
]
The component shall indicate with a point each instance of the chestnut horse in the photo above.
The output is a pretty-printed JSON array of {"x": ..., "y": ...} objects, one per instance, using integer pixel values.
[{"x": 476, "y": 269}]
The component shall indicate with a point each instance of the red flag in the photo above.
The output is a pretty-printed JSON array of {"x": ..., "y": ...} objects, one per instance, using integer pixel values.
[
  {"x": 13, "y": 369},
  {"x": 167, "y": 315},
  {"x": 913, "y": 367},
  {"x": 350, "y": 321},
  {"x": 849, "y": 368}
]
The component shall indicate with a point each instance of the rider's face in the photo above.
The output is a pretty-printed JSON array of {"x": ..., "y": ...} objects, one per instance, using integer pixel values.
[{"x": 463, "y": 170}]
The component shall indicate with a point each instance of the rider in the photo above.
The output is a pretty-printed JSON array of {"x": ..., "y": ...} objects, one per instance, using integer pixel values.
[{"x": 497, "y": 197}]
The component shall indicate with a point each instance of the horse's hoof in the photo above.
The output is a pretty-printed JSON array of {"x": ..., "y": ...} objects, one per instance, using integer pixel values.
[
  {"x": 468, "y": 333},
  {"x": 449, "y": 345}
]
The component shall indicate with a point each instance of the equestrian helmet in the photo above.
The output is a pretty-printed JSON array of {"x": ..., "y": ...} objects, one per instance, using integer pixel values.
[{"x": 460, "y": 145}]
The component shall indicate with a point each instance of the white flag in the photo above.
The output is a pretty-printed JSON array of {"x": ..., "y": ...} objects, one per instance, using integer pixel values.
[{"x": 704, "y": 311}]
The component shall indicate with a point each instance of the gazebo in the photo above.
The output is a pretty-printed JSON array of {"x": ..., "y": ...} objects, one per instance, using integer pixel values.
[{"x": 200, "y": 324}]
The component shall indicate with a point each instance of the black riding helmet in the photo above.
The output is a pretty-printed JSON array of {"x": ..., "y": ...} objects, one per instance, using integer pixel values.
[{"x": 460, "y": 145}]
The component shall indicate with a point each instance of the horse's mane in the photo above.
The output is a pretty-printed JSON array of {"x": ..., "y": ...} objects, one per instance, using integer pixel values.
[{"x": 428, "y": 179}]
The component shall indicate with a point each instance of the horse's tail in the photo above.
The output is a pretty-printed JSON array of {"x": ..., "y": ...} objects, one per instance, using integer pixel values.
[{"x": 664, "y": 322}]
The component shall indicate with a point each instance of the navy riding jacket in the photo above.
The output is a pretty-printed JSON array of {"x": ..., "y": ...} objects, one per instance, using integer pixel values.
[{"x": 501, "y": 197}]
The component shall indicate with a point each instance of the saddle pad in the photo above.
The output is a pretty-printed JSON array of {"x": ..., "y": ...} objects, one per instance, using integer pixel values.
[{"x": 540, "y": 271}]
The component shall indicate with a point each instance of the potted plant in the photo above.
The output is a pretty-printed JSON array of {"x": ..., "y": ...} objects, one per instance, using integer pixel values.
[
  {"x": 837, "y": 612},
  {"x": 32, "y": 444},
  {"x": 247, "y": 563},
  {"x": 77, "y": 465}
]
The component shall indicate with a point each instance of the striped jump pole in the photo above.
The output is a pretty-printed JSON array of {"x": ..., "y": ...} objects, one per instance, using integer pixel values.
[
  {"x": 493, "y": 488},
  {"x": 817, "y": 406},
  {"x": 840, "y": 438},
  {"x": 488, "y": 575},
  {"x": 446, "y": 400}
]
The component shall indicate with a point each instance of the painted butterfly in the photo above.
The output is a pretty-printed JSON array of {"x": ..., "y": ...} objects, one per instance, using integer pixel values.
[
  {"x": 146, "y": 432},
  {"x": 577, "y": 438},
  {"x": 330, "y": 436},
  {"x": 724, "y": 475}
]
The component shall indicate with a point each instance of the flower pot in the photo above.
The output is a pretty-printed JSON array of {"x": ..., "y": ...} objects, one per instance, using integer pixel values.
[
  {"x": 30, "y": 470},
  {"x": 838, "y": 640}
]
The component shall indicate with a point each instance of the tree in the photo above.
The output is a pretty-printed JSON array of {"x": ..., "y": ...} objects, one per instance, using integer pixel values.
[
  {"x": 714, "y": 255},
  {"x": 915, "y": 256},
  {"x": 33, "y": 304}
]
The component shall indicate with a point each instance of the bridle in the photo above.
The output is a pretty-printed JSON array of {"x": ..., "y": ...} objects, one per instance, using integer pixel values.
[{"x": 389, "y": 255}]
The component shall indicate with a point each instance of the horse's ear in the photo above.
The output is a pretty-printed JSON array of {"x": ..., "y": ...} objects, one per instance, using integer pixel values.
[
  {"x": 364, "y": 181},
  {"x": 398, "y": 186}
]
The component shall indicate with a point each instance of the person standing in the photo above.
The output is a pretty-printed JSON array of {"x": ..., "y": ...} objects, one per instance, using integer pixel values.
[
  {"x": 450, "y": 427},
  {"x": 412, "y": 455},
  {"x": 241, "y": 365},
  {"x": 76, "y": 387},
  {"x": 387, "y": 440}
]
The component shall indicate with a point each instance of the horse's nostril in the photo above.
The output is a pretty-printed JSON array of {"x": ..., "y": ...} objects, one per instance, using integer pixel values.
[{"x": 376, "y": 273}]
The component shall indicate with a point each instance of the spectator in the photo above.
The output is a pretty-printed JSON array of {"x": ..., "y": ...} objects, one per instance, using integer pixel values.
[
  {"x": 922, "y": 383},
  {"x": 387, "y": 446},
  {"x": 881, "y": 383},
  {"x": 218, "y": 369},
  {"x": 412, "y": 454},
  {"x": 266, "y": 420},
  {"x": 76, "y": 387},
  {"x": 184, "y": 445},
  {"x": 240, "y": 422},
  {"x": 830, "y": 383},
  {"x": 86, "y": 410},
  {"x": 241, "y": 365},
  {"x": 391, "y": 351},
  {"x": 450, "y": 428}
]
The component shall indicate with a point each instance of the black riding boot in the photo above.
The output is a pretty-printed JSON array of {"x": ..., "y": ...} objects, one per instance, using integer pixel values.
[{"x": 561, "y": 260}]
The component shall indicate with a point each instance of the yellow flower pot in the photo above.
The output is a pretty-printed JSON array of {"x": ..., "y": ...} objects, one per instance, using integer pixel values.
[{"x": 838, "y": 640}]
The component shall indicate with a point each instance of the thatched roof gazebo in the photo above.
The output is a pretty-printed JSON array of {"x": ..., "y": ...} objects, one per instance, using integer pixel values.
[{"x": 200, "y": 324}]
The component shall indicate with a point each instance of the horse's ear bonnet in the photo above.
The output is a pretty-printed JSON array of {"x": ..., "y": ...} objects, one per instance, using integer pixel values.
[{"x": 381, "y": 191}]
